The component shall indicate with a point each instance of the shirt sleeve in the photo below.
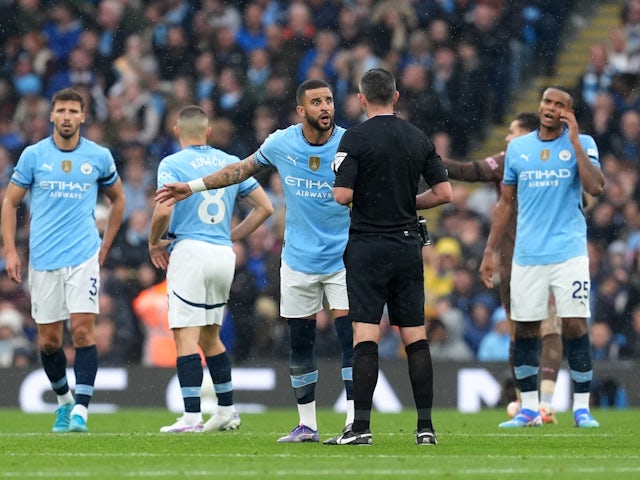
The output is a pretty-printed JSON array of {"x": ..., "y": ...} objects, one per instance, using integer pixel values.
[
  {"x": 434, "y": 171},
  {"x": 23, "y": 173},
  {"x": 345, "y": 162}
]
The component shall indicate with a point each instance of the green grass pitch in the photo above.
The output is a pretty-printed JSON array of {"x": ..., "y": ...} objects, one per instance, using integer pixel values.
[{"x": 127, "y": 444}]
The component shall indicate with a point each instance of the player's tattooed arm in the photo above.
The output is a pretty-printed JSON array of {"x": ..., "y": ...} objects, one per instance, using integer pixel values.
[{"x": 234, "y": 173}]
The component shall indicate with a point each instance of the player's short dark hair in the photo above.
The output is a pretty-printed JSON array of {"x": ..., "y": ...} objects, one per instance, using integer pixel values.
[
  {"x": 528, "y": 121},
  {"x": 310, "y": 84},
  {"x": 68, "y": 95},
  {"x": 378, "y": 86},
  {"x": 562, "y": 88}
]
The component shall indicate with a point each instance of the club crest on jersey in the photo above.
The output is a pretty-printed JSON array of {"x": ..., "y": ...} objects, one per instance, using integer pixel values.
[
  {"x": 565, "y": 155},
  {"x": 66, "y": 166},
  {"x": 545, "y": 154},
  {"x": 86, "y": 168},
  {"x": 314, "y": 163}
]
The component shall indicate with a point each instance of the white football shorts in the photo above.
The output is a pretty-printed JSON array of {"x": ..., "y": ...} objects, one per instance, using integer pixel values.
[
  {"x": 302, "y": 294},
  {"x": 199, "y": 278},
  {"x": 568, "y": 281},
  {"x": 56, "y": 294}
]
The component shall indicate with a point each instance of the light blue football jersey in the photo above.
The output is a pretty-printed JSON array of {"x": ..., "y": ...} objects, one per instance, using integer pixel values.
[
  {"x": 64, "y": 191},
  {"x": 213, "y": 208},
  {"x": 551, "y": 225},
  {"x": 316, "y": 226}
]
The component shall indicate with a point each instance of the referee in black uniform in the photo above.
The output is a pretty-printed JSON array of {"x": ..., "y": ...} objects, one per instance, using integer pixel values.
[{"x": 378, "y": 166}]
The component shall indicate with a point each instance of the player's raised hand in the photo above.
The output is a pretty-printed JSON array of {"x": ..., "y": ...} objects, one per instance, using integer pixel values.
[{"x": 171, "y": 193}]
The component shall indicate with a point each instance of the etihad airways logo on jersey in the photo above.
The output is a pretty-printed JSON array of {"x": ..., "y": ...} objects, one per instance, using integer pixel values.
[
  {"x": 545, "y": 174},
  {"x": 310, "y": 188},
  {"x": 544, "y": 178},
  {"x": 60, "y": 189}
]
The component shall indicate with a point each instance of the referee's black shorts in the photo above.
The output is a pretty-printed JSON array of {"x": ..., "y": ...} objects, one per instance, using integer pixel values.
[{"x": 385, "y": 268}]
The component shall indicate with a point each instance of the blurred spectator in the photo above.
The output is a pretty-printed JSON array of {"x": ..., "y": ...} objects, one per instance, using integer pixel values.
[
  {"x": 241, "y": 305},
  {"x": 298, "y": 31},
  {"x": 43, "y": 59},
  {"x": 349, "y": 28},
  {"x": 264, "y": 263},
  {"x": 471, "y": 110},
  {"x": 440, "y": 263},
  {"x": 110, "y": 22},
  {"x": 7, "y": 163},
  {"x": 28, "y": 15},
  {"x": 625, "y": 143},
  {"x": 631, "y": 349},
  {"x": 444, "y": 333},
  {"x": 482, "y": 307},
  {"x": 603, "y": 345},
  {"x": 25, "y": 80},
  {"x": 391, "y": 22},
  {"x": 320, "y": 55},
  {"x": 423, "y": 103},
  {"x": 619, "y": 58},
  {"x": 252, "y": 33},
  {"x": 232, "y": 99},
  {"x": 205, "y": 69},
  {"x": 152, "y": 308},
  {"x": 31, "y": 105},
  {"x": 630, "y": 16},
  {"x": 418, "y": 50},
  {"x": 597, "y": 76},
  {"x": 136, "y": 106},
  {"x": 324, "y": 13},
  {"x": 136, "y": 59},
  {"x": 488, "y": 33},
  {"x": 63, "y": 30},
  {"x": 494, "y": 346},
  {"x": 222, "y": 15},
  {"x": 601, "y": 122},
  {"x": 601, "y": 227},
  {"x": 137, "y": 181},
  {"x": 130, "y": 246},
  {"x": 258, "y": 71},
  {"x": 228, "y": 53},
  {"x": 177, "y": 56},
  {"x": 78, "y": 71},
  {"x": 12, "y": 338}
]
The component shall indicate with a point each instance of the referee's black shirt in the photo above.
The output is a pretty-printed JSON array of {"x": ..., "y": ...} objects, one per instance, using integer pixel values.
[{"x": 381, "y": 160}]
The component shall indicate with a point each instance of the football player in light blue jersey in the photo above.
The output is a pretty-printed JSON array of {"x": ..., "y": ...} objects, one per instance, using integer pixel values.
[
  {"x": 63, "y": 173},
  {"x": 315, "y": 237},
  {"x": 200, "y": 264},
  {"x": 548, "y": 170}
]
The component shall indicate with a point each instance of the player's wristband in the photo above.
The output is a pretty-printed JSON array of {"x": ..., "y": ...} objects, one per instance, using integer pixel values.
[{"x": 197, "y": 185}]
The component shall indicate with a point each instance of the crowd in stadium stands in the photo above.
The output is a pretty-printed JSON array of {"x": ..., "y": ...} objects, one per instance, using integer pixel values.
[{"x": 459, "y": 64}]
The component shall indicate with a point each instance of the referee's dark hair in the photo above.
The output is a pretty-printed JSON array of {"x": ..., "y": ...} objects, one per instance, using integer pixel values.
[
  {"x": 311, "y": 84},
  {"x": 379, "y": 86}
]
